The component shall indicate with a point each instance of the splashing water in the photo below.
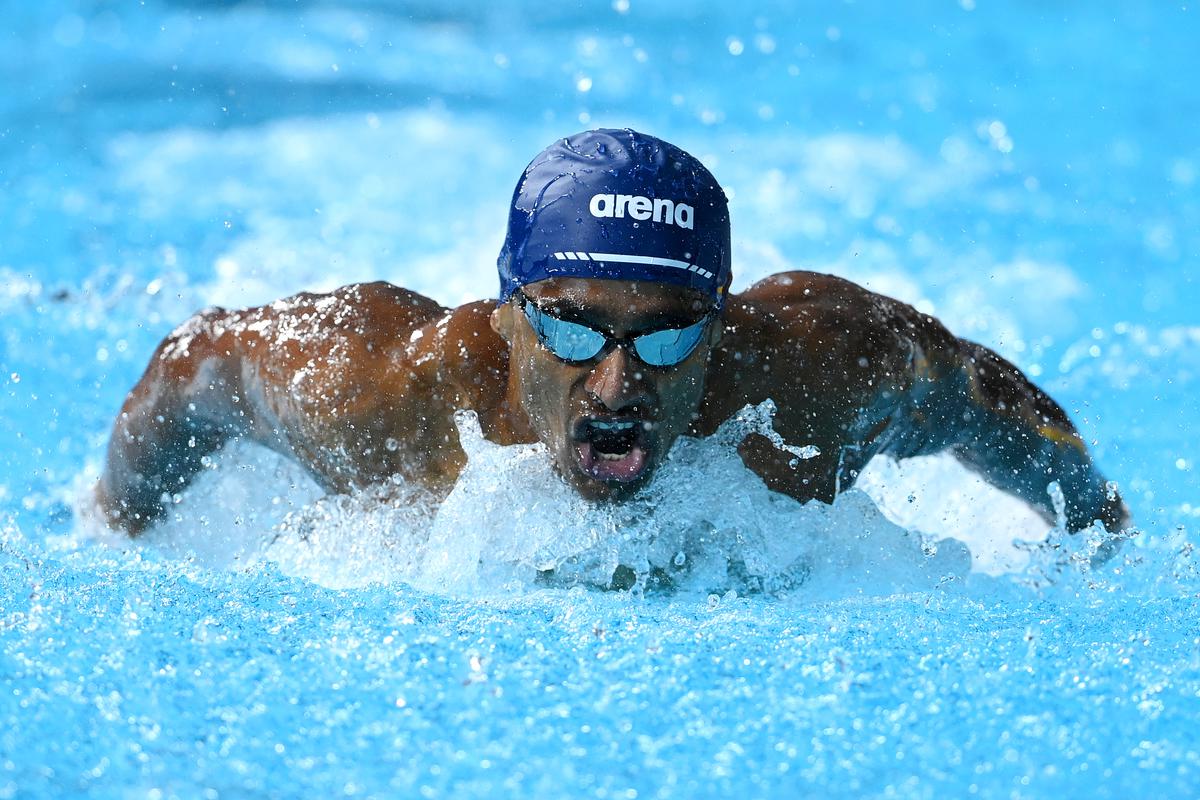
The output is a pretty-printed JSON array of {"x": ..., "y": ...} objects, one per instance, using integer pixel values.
[{"x": 705, "y": 524}]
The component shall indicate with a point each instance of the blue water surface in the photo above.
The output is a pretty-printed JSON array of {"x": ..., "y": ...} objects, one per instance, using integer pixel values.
[{"x": 1028, "y": 172}]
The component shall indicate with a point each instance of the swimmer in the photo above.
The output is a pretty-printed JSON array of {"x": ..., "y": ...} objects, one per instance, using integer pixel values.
[{"x": 613, "y": 335}]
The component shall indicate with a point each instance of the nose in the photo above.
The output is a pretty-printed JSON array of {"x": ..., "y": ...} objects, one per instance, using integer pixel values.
[{"x": 618, "y": 382}]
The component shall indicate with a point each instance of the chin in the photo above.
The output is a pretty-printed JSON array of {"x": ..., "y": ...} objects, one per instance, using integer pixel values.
[{"x": 603, "y": 491}]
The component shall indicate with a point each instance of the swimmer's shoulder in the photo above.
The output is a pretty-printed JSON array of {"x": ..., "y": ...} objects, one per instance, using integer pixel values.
[
  {"x": 382, "y": 309},
  {"x": 357, "y": 329},
  {"x": 833, "y": 325},
  {"x": 462, "y": 363},
  {"x": 803, "y": 340},
  {"x": 365, "y": 322},
  {"x": 461, "y": 344},
  {"x": 805, "y": 293},
  {"x": 827, "y": 309},
  {"x": 810, "y": 306},
  {"x": 377, "y": 306}
]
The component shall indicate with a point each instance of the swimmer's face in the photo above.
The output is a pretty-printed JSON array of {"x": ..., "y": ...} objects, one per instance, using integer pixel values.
[{"x": 610, "y": 420}]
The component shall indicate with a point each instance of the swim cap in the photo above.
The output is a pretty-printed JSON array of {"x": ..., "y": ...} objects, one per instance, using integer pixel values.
[{"x": 621, "y": 205}]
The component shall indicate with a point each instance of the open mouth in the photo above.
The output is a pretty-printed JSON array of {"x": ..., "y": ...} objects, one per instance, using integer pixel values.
[{"x": 613, "y": 448}]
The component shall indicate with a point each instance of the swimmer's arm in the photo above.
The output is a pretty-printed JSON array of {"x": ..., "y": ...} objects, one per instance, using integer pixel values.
[
  {"x": 875, "y": 375},
  {"x": 319, "y": 378},
  {"x": 999, "y": 424},
  {"x": 181, "y": 410}
]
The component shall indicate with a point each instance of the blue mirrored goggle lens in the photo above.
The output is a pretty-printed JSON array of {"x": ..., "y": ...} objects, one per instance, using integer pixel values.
[
  {"x": 668, "y": 347},
  {"x": 570, "y": 341}
]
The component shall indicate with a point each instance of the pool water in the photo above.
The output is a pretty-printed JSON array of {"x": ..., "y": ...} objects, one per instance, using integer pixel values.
[{"x": 1029, "y": 174}]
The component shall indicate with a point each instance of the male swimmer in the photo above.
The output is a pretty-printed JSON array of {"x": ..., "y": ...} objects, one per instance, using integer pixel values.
[{"x": 614, "y": 334}]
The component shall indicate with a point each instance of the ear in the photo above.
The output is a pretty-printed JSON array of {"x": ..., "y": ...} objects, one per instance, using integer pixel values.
[{"x": 502, "y": 321}]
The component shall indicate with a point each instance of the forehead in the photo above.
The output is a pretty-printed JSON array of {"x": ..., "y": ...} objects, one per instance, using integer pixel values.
[{"x": 620, "y": 303}]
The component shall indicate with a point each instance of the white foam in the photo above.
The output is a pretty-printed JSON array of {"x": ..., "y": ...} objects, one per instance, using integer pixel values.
[
  {"x": 939, "y": 497},
  {"x": 705, "y": 524},
  {"x": 705, "y": 521}
]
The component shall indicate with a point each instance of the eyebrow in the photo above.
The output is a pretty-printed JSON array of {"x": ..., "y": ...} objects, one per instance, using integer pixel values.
[
  {"x": 571, "y": 310},
  {"x": 558, "y": 306}
]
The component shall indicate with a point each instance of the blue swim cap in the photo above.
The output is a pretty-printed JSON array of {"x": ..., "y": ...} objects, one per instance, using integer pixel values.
[{"x": 621, "y": 205}]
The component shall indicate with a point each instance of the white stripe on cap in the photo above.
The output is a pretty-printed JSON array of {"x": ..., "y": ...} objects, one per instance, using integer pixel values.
[
  {"x": 655, "y": 260},
  {"x": 629, "y": 259}
]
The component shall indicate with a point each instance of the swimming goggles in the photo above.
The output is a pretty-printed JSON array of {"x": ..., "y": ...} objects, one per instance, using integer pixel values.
[{"x": 574, "y": 342}]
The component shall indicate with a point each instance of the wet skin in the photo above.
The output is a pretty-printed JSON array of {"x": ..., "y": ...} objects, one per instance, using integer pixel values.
[{"x": 362, "y": 384}]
